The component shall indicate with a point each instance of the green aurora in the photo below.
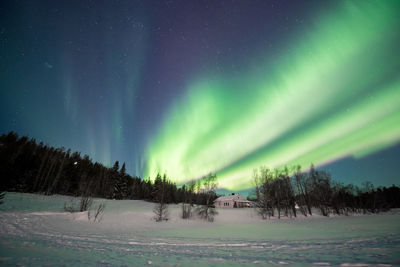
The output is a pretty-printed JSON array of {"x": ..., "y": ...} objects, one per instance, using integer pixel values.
[{"x": 333, "y": 92}]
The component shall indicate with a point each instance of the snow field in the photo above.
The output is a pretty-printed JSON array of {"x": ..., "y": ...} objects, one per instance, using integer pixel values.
[{"x": 35, "y": 230}]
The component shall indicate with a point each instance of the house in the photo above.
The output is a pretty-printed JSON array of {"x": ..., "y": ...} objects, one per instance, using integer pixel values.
[{"x": 232, "y": 201}]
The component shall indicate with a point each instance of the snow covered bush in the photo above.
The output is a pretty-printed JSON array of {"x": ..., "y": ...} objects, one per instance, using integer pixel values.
[
  {"x": 206, "y": 212},
  {"x": 161, "y": 212}
]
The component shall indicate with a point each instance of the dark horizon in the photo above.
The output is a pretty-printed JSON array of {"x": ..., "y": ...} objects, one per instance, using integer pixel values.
[{"x": 22, "y": 173}]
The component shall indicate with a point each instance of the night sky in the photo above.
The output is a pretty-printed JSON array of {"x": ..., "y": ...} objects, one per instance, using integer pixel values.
[{"x": 192, "y": 87}]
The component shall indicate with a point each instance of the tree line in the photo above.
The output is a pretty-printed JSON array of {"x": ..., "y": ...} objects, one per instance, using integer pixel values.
[
  {"x": 286, "y": 192},
  {"x": 27, "y": 166},
  {"x": 30, "y": 167}
]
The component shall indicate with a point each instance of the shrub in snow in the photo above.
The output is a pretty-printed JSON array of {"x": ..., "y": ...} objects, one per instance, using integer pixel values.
[
  {"x": 85, "y": 203},
  {"x": 98, "y": 215},
  {"x": 161, "y": 212},
  {"x": 206, "y": 212}
]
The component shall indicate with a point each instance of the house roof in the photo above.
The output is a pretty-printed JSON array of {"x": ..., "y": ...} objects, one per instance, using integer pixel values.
[{"x": 236, "y": 197}]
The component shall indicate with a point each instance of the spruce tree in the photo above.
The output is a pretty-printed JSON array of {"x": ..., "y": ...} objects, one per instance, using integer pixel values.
[
  {"x": 123, "y": 182},
  {"x": 115, "y": 190}
]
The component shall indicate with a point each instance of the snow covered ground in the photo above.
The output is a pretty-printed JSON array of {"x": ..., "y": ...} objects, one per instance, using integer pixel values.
[{"x": 34, "y": 230}]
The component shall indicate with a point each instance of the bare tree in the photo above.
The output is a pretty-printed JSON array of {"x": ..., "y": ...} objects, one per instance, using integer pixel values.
[
  {"x": 302, "y": 201},
  {"x": 187, "y": 203},
  {"x": 208, "y": 187},
  {"x": 321, "y": 190},
  {"x": 263, "y": 180},
  {"x": 288, "y": 194},
  {"x": 338, "y": 199},
  {"x": 275, "y": 192}
]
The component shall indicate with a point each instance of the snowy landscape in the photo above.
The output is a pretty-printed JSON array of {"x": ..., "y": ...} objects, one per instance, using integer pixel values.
[
  {"x": 35, "y": 230},
  {"x": 199, "y": 133}
]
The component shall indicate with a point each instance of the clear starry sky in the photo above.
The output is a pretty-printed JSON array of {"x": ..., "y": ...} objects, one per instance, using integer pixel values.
[{"x": 193, "y": 87}]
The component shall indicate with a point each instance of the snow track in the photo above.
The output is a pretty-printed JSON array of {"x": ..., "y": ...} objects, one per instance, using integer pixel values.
[{"x": 58, "y": 238}]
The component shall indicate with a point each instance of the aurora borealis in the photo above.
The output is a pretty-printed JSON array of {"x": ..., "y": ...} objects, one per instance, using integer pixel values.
[{"x": 189, "y": 88}]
